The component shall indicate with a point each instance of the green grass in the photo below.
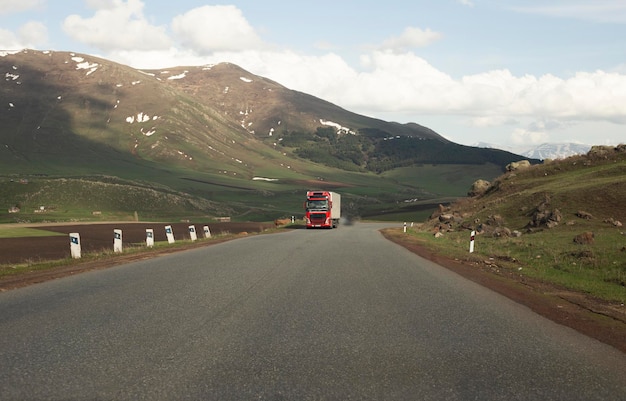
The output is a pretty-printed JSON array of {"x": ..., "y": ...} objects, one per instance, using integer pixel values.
[
  {"x": 20, "y": 232},
  {"x": 444, "y": 180},
  {"x": 598, "y": 269}
]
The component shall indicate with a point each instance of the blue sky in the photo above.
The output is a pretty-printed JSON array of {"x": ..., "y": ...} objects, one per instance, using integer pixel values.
[{"x": 513, "y": 73}]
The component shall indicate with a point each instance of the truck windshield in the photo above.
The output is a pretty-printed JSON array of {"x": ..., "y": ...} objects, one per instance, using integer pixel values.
[{"x": 317, "y": 204}]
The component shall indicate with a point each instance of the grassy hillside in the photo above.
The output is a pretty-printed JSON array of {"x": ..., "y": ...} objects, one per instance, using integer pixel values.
[
  {"x": 560, "y": 222},
  {"x": 85, "y": 134}
]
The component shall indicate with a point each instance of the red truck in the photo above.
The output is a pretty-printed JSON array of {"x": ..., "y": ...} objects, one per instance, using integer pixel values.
[{"x": 322, "y": 209}]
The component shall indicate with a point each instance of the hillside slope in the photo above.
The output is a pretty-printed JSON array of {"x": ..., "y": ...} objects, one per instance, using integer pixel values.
[
  {"x": 214, "y": 133},
  {"x": 561, "y": 222}
]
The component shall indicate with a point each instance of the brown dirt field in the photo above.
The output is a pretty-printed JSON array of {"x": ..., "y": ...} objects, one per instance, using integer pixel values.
[
  {"x": 99, "y": 237},
  {"x": 595, "y": 318}
]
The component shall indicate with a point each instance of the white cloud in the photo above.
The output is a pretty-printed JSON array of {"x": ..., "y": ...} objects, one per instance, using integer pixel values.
[
  {"x": 9, "y": 41},
  {"x": 117, "y": 26},
  {"x": 33, "y": 33},
  {"x": 212, "y": 34},
  {"x": 30, "y": 35},
  {"x": 406, "y": 84},
  {"x": 410, "y": 38},
  {"x": 492, "y": 121},
  {"x": 529, "y": 137},
  {"x": 103, "y": 4},
  {"x": 13, "y": 6},
  {"x": 209, "y": 29},
  {"x": 466, "y": 3}
]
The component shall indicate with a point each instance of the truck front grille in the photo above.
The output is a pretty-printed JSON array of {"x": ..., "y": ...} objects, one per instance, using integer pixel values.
[{"x": 318, "y": 218}]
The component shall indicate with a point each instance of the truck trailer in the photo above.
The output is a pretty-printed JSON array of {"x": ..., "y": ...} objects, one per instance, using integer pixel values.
[{"x": 322, "y": 209}]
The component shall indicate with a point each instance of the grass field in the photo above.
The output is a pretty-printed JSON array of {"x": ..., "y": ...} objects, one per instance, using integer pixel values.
[
  {"x": 598, "y": 269},
  {"x": 185, "y": 194},
  {"x": 10, "y": 231}
]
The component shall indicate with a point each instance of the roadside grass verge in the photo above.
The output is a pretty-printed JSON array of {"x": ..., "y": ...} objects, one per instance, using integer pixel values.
[{"x": 551, "y": 256}]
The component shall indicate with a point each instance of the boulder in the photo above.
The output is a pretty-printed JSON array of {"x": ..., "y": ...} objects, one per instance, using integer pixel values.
[
  {"x": 520, "y": 165},
  {"x": 613, "y": 222},
  {"x": 281, "y": 222},
  {"x": 479, "y": 187},
  {"x": 585, "y": 238},
  {"x": 495, "y": 220},
  {"x": 502, "y": 232},
  {"x": 547, "y": 218},
  {"x": 446, "y": 218},
  {"x": 584, "y": 215}
]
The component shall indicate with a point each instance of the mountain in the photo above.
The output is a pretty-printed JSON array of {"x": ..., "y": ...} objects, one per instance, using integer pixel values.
[
  {"x": 556, "y": 151},
  {"x": 544, "y": 151},
  {"x": 214, "y": 132}
]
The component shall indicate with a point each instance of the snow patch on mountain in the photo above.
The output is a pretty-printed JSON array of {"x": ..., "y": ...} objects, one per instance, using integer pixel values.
[
  {"x": 543, "y": 151},
  {"x": 179, "y": 76},
  {"x": 81, "y": 64},
  {"x": 340, "y": 129},
  {"x": 556, "y": 151}
]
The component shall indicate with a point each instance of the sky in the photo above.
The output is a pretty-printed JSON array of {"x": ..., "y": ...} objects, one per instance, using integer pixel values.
[{"x": 510, "y": 73}]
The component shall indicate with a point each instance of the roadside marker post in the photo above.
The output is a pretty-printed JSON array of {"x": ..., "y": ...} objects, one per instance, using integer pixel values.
[
  {"x": 472, "y": 235},
  {"x": 117, "y": 240},
  {"x": 405, "y": 226},
  {"x": 192, "y": 233},
  {"x": 149, "y": 237},
  {"x": 207, "y": 232},
  {"x": 75, "y": 245},
  {"x": 169, "y": 234}
]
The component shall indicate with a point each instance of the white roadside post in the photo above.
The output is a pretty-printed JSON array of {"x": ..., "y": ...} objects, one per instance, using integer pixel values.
[
  {"x": 207, "y": 232},
  {"x": 117, "y": 240},
  {"x": 170, "y": 234},
  {"x": 75, "y": 245},
  {"x": 472, "y": 235},
  {"x": 149, "y": 237},
  {"x": 404, "y": 227},
  {"x": 192, "y": 233}
]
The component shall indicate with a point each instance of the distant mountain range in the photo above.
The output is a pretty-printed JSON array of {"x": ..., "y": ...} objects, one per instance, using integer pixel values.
[
  {"x": 544, "y": 151},
  {"x": 556, "y": 151}
]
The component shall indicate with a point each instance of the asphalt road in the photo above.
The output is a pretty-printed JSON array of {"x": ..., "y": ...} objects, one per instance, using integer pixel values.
[{"x": 304, "y": 315}]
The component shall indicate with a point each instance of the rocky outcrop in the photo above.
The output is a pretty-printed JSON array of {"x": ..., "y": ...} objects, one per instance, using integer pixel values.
[
  {"x": 601, "y": 151},
  {"x": 520, "y": 165},
  {"x": 546, "y": 218},
  {"x": 543, "y": 216}
]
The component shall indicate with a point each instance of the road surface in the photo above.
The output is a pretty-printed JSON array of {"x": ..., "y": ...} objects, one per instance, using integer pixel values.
[{"x": 303, "y": 315}]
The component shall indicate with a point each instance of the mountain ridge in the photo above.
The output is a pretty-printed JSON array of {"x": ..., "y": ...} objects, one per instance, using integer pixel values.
[{"x": 69, "y": 113}]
